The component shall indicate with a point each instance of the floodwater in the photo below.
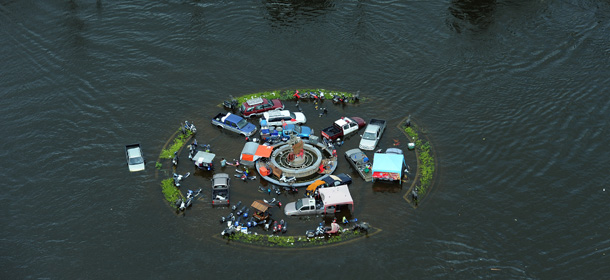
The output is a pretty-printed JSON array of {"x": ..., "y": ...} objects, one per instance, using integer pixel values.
[{"x": 512, "y": 94}]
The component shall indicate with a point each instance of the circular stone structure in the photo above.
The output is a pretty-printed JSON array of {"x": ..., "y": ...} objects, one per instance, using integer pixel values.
[{"x": 300, "y": 160}]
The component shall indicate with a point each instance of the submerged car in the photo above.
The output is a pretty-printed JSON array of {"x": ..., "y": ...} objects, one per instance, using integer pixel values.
[
  {"x": 135, "y": 160},
  {"x": 234, "y": 123},
  {"x": 300, "y": 131},
  {"x": 257, "y": 106},
  {"x": 220, "y": 189}
]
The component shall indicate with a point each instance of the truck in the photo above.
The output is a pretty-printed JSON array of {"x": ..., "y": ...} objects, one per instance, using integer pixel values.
[
  {"x": 328, "y": 203},
  {"x": 342, "y": 127},
  {"x": 135, "y": 160},
  {"x": 372, "y": 134},
  {"x": 220, "y": 189},
  {"x": 234, "y": 123}
]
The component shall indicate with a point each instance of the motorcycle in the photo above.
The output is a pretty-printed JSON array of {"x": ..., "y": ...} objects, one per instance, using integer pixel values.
[
  {"x": 190, "y": 127},
  {"x": 224, "y": 219},
  {"x": 241, "y": 211},
  {"x": 285, "y": 179},
  {"x": 231, "y": 104},
  {"x": 175, "y": 159},
  {"x": 268, "y": 224},
  {"x": 291, "y": 189},
  {"x": 178, "y": 178},
  {"x": 235, "y": 206},
  {"x": 228, "y": 231},
  {"x": 275, "y": 226},
  {"x": 362, "y": 227},
  {"x": 282, "y": 226}
]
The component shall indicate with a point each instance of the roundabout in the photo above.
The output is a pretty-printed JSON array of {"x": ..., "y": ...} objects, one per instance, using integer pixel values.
[
  {"x": 297, "y": 164},
  {"x": 293, "y": 164}
]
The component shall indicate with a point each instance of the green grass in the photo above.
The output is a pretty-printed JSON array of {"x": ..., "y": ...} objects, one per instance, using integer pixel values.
[
  {"x": 292, "y": 241},
  {"x": 170, "y": 191},
  {"x": 426, "y": 161},
  {"x": 288, "y": 94},
  {"x": 179, "y": 142}
]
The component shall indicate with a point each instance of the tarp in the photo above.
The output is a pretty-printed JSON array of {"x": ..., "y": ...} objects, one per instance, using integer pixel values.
[
  {"x": 388, "y": 164},
  {"x": 264, "y": 151},
  {"x": 248, "y": 152},
  {"x": 338, "y": 195},
  {"x": 313, "y": 186},
  {"x": 253, "y": 151}
]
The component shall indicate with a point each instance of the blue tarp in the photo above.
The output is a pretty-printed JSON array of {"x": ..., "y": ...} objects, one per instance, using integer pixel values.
[{"x": 388, "y": 163}]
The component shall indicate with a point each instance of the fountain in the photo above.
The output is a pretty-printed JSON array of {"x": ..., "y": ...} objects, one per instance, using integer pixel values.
[{"x": 297, "y": 164}]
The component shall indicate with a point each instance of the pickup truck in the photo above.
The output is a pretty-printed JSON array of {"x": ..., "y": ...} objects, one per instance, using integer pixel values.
[
  {"x": 133, "y": 154},
  {"x": 343, "y": 127},
  {"x": 330, "y": 200},
  {"x": 234, "y": 123},
  {"x": 220, "y": 189},
  {"x": 372, "y": 134},
  {"x": 307, "y": 206}
]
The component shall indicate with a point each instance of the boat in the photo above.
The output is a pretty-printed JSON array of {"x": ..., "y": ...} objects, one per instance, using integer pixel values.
[{"x": 359, "y": 161}]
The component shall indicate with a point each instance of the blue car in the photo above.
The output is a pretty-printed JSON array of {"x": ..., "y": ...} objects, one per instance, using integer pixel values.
[
  {"x": 234, "y": 123},
  {"x": 301, "y": 131}
]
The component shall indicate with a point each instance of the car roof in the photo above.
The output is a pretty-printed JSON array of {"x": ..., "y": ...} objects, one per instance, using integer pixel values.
[{"x": 277, "y": 113}]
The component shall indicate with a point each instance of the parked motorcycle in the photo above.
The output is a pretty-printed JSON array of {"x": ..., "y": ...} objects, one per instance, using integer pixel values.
[
  {"x": 178, "y": 178},
  {"x": 175, "y": 159},
  {"x": 235, "y": 206},
  {"x": 190, "y": 127},
  {"x": 231, "y": 104},
  {"x": 290, "y": 179}
]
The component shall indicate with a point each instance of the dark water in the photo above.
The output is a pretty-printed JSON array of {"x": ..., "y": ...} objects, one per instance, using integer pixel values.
[{"x": 513, "y": 94}]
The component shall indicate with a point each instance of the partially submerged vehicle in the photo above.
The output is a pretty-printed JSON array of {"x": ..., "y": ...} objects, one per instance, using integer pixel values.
[
  {"x": 257, "y": 106},
  {"x": 328, "y": 181},
  {"x": 361, "y": 163},
  {"x": 342, "y": 127},
  {"x": 331, "y": 199},
  {"x": 220, "y": 189},
  {"x": 301, "y": 131},
  {"x": 135, "y": 160},
  {"x": 372, "y": 134},
  {"x": 279, "y": 118},
  {"x": 234, "y": 123}
]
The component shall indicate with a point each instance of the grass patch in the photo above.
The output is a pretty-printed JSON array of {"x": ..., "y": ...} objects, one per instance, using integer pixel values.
[
  {"x": 293, "y": 241},
  {"x": 288, "y": 94},
  {"x": 170, "y": 191},
  {"x": 179, "y": 142},
  {"x": 425, "y": 161}
]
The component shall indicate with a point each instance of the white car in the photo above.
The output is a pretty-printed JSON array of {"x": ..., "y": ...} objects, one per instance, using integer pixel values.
[
  {"x": 278, "y": 118},
  {"x": 135, "y": 160}
]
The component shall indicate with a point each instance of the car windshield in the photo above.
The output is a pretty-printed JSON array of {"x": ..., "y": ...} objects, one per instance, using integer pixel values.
[
  {"x": 297, "y": 129},
  {"x": 136, "y": 160},
  {"x": 368, "y": 136},
  {"x": 298, "y": 204},
  {"x": 293, "y": 116},
  {"x": 241, "y": 124}
]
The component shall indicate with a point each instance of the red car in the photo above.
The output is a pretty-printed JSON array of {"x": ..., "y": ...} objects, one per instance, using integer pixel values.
[{"x": 258, "y": 106}]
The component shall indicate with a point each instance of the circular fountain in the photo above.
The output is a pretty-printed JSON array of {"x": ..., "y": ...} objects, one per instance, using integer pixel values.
[{"x": 296, "y": 163}]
